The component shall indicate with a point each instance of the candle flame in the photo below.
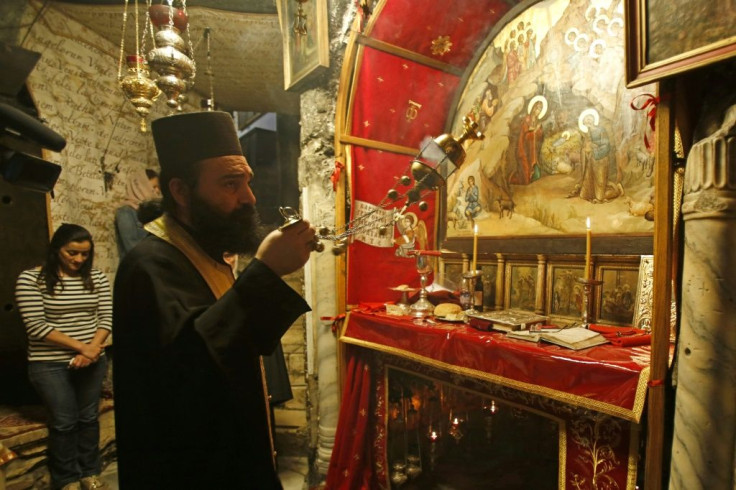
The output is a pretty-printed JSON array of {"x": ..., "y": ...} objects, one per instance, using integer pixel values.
[
  {"x": 587, "y": 222},
  {"x": 475, "y": 229}
]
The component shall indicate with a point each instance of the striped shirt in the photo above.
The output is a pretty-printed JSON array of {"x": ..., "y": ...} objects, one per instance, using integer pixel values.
[{"x": 73, "y": 310}]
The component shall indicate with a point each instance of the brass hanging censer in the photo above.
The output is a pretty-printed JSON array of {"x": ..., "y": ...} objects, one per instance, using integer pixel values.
[
  {"x": 437, "y": 159},
  {"x": 137, "y": 85}
]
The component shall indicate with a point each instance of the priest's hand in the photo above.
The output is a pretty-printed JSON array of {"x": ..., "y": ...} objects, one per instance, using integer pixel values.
[{"x": 287, "y": 249}]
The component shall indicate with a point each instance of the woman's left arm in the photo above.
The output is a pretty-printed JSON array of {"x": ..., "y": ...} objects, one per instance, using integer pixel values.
[
  {"x": 104, "y": 309},
  {"x": 104, "y": 320}
]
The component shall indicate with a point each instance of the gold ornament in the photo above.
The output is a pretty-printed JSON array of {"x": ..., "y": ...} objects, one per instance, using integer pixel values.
[
  {"x": 138, "y": 88},
  {"x": 441, "y": 46}
]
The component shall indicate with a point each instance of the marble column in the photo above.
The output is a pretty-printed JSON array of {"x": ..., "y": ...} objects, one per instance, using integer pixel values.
[
  {"x": 316, "y": 164},
  {"x": 326, "y": 359},
  {"x": 703, "y": 454}
]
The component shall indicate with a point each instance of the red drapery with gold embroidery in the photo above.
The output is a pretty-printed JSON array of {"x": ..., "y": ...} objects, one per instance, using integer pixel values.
[
  {"x": 600, "y": 431},
  {"x": 351, "y": 468}
]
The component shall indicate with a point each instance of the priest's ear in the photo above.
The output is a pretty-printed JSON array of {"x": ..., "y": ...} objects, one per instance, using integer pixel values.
[{"x": 180, "y": 191}]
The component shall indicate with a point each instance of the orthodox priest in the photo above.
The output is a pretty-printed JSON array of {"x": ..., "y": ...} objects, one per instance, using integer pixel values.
[{"x": 190, "y": 406}]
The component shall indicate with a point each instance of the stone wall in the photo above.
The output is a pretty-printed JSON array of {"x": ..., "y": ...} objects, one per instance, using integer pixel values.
[{"x": 291, "y": 417}]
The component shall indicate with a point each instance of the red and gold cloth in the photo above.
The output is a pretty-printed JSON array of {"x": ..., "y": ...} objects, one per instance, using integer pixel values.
[
  {"x": 594, "y": 393},
  {"x": 416, "y": 27},
  {"x": 420, "y": 99},
  {"x": 406, "y": 80},
  {"x": 605, "y": 378}
]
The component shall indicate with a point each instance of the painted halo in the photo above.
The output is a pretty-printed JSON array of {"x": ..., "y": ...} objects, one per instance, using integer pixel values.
[
  {"x": 593, "y": 50},
  {"x": 616, "y": 21},
  {"x": 583, "y": 115},
  {"x": 400, "y": 222},
  {"x": 535, "y": 99},
  {"x": 597, "y": 21},
  {"x": 581, "y": 46}
]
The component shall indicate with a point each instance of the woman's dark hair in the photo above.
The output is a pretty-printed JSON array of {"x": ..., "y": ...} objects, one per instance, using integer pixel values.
[
  {"x": 151, "y": 174},
  {"x": 65, "y": 234}
]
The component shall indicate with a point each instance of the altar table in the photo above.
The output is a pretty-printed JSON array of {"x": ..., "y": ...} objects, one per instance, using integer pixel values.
[{"x": 596, "y": 395}]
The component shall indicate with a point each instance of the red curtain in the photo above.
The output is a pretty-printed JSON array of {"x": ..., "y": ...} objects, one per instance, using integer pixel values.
[{"x": 352, "y": 467}]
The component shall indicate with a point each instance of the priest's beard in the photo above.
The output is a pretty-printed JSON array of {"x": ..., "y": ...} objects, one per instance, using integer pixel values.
[{"x": 239, "y": 232}]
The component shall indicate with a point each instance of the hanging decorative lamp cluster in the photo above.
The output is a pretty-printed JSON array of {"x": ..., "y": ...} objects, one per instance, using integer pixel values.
[{"x": 168, "y": 68}]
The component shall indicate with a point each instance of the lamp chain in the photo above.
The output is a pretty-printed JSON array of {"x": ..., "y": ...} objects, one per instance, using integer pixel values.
[
  {"x": 122, "y": 40},
  {"x": 209, "y": 72},
  {"x": 146, "y": 28},
  {"x": 189, "y": 42}
]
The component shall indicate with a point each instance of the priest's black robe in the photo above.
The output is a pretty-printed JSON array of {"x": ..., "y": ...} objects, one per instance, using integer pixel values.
[{"x": 190, "y": 411}]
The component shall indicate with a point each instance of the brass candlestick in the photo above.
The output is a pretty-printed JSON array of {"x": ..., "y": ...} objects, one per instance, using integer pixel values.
[{"x": 587, "y": 313}]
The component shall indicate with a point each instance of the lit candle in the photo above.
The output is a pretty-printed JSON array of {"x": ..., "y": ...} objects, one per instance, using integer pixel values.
[
  {"x": 475, "y": 245},
  {"x": 587, "y": 248},
  {"x": 433, "y": 436}
]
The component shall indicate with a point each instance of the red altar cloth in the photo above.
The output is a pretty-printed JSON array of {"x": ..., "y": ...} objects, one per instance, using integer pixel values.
[{"x": 605, "y": 378}]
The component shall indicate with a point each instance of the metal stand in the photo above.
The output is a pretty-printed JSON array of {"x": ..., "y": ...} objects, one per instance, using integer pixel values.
[
  {"x": 468, "y": 290},
  {"x": 423, "y": 307},
  {"x": 587, "y": 315}
]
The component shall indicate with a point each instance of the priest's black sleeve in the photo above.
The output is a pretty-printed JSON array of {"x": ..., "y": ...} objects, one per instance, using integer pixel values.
[{"x": 263, "y": 302}]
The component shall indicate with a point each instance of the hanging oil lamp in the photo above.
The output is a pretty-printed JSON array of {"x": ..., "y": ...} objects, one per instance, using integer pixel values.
[
  {"x": 171, "y": 58},
  {"x": 137, "y": 85}
]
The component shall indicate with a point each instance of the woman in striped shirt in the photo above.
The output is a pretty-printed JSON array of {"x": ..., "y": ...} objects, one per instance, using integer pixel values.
[{"x": 66, "y": 307}]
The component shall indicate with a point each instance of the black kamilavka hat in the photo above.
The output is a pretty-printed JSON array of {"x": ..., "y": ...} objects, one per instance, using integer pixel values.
[{"x": 185, "y": 139}]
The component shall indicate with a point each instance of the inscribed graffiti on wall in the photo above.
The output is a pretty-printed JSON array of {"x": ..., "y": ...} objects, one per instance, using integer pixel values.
[
  {"x": 562, "y": 142},
  {"x": 74, "y": 86}
]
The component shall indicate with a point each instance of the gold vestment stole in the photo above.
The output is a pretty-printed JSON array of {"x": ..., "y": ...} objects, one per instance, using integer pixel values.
[{"x": 219, "y": 277}]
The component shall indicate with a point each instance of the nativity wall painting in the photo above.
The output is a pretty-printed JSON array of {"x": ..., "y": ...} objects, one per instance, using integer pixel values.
[{"x": 562, "y": 141}]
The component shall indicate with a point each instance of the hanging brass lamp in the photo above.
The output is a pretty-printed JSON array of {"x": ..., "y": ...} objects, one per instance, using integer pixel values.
[{"x": 138, "y": 88}]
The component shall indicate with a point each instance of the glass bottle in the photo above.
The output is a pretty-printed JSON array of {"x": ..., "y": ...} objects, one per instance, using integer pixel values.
[{"x": 478, "y": 293}]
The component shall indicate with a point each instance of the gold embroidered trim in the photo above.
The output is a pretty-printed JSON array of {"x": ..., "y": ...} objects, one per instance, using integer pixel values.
[
  {"x": 219, "y": 277},
  {"x": 633, "y": 457}
]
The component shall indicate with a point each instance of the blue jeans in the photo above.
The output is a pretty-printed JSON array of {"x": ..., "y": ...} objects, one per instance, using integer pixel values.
[{"x": 71, "y": 397}]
